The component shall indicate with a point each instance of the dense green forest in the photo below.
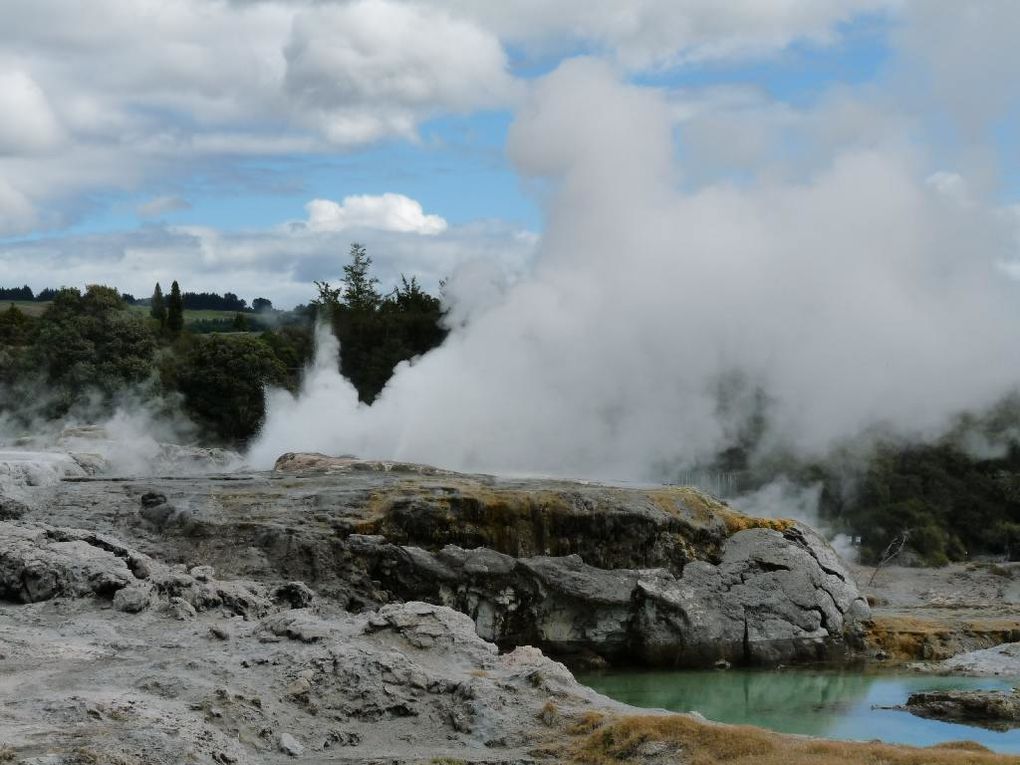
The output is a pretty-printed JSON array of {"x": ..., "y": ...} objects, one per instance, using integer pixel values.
[{"x": 85, "y": 351}]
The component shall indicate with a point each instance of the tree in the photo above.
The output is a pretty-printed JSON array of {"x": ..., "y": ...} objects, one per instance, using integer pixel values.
[
  {"x": 239, "y": 324},
  {"x": 261, "y": 304},
  {"x": 89, "y": 344},
  {"x": 223, "y": 380},
  {"x": 14, "y": 326},
  {"x": 175, "y": 310},
  {"x": 157, "y": 306},
  {"x": 360, "y": 293},
  {"x": 16, "y": 293},
  {"x": 377, "y": 333}
]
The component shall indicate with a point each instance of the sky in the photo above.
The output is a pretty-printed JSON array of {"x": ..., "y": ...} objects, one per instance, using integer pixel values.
[{"x": 242, "y": 145}]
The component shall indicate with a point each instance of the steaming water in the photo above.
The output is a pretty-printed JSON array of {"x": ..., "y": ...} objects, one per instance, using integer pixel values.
[{"x": 832, "y": 704}]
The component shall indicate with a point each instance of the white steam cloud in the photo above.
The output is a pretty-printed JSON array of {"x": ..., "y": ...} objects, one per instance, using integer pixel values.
[{"x": 860, "y": 296}]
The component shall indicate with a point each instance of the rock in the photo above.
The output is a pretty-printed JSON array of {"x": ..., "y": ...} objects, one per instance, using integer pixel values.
[
  {"x": 298, "y": 624},
  {"x": 164, "y": 515},
  {"x": 11, "y": 509},
  {"x": 203, "y": 573},
  {"x": 664, "y": 576},
  {"x": 92, "y": 464},
  {"x": 290, "y": 745},
  {"x": 305, "y": 462},
  {"x": 988, "y": 709},
  {"x": 152, "y": 499},
  {"x": 220, "y": 633},
  {"x": 300, "y": 689},
  {"x": 133, "y": 598},
  {"x": 39, "y": 562},
  {"x": 1000, "y": 660},
  {"x": 294, "y": 594},
  {"x": 180, "y": 609},
  {"x": 774, "y": 597}
]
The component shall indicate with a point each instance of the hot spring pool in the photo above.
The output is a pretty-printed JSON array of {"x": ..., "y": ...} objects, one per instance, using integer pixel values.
[{"x": 833, "y": 704}]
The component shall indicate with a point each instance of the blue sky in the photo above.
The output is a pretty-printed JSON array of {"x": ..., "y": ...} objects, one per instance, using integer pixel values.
[
  {"x": 458, "y": 166},
  {"x": 219, "y": 124}
]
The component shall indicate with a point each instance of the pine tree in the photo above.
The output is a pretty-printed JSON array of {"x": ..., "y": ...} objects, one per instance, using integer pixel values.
[
  {"x": 157, "y": 308},
  {"x": 360, "y": 293},
  {"x": 175, "y": 310}
]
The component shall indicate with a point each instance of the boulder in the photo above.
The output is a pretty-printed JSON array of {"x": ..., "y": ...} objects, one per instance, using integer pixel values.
[{"x": 998, "y": 710}]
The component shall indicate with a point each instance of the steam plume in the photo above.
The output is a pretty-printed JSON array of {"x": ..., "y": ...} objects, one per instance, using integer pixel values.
[{"x": 860, "y": 296}]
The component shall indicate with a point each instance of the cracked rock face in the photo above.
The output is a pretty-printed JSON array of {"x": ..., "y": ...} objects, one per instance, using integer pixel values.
[
  {"x": 665, "y": 576},
  {"x": 774, "y": 597}
]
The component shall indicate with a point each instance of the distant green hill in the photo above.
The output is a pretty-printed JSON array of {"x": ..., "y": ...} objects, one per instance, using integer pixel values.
[{"x": 36, "y": 308}]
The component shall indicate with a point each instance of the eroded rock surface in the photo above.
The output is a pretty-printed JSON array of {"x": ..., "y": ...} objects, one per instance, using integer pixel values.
[
  {"x": 662, "y": 575},
  {"x": 412, "y": 683}
]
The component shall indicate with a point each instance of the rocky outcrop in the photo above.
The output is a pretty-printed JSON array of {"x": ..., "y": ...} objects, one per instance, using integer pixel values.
[
  {"x": 988, "y": 709},
  {"x": 1001, "y": 660},
  {"x": 410, "y": 683},
  {"x": 40, "y": 562},
  {"x": 662, "y": 576},
  {"x": 159, "y": 621},
  {"x": 774, "y": 597}
]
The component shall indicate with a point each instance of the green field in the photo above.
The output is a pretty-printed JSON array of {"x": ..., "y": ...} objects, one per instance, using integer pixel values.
[
  {"x": 32, "y": 308},
  {"x": 28, "y": 307}
]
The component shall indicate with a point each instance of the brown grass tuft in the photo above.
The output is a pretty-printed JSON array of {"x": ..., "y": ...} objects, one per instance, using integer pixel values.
[{"x": 617, "y": 741}]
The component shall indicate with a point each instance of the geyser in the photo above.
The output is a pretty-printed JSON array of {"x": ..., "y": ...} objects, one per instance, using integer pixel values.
[{"x": 857, "y": 296}]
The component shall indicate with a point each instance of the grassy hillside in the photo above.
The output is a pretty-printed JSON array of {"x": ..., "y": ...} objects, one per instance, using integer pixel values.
[
  {"x": 28, "y": 307},
  {"x": 34, "y": 308}
]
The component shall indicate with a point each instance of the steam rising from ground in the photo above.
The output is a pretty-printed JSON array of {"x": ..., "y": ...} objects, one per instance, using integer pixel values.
[
  {"x": 141, "y": 436},
  {"x": 859, "y": 296}
]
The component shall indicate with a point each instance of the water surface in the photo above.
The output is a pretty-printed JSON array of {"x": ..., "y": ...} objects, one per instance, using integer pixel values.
[{"x": 834, "y": 704}]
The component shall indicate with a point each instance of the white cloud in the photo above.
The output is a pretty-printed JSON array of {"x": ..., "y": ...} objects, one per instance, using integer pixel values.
[
  {"x": 661, "y": 33},
  {"x": 372, "y": 68},
  {"x": 17, "y": 215},
  {"x": 159, "y": 87},
  {"x": 162, "y": 205},
  {"x": 385, "y": 212},
  {"x": 28, "y": 125},
  {"x": 165, "y": 88}
]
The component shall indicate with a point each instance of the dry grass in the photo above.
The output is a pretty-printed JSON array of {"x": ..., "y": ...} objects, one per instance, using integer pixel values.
[
  {"x": 910, "y": 637},
  {"x": 618, "y": 741}
]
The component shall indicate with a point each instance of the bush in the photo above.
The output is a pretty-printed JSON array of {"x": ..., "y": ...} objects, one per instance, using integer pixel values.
[{"x": 223, "y": 379}]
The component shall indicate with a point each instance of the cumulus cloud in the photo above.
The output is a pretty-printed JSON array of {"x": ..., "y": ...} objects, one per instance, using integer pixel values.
[
  {"x": 855, "y": 298},
  {"x": 385, "y": 212},
  {"x": 29, "y": 125},
  {"x": 372, "y": 68},
  {"x": 171, "y": 89},
  {"x": 167, "y": 89}
]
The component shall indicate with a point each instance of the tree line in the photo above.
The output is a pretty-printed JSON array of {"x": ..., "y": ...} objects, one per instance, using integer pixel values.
[
  {"x": 88, "y": 350},
  {"x": 25, "y": 294},
  {"x": 190, "y": 301}
]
